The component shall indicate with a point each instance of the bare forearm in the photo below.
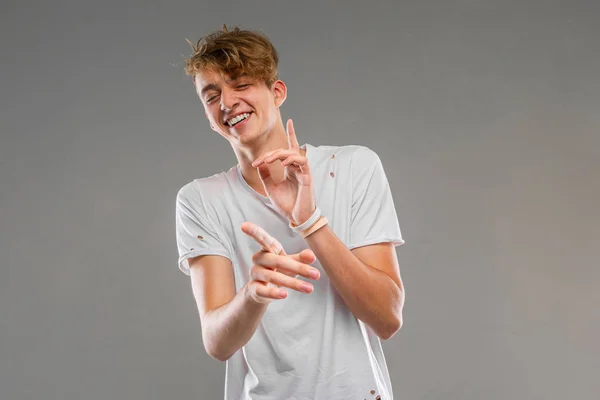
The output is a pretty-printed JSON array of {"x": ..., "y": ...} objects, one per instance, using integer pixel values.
[
  {"x": 371, "y": 295},
  {"x": 229, "y": 327}
]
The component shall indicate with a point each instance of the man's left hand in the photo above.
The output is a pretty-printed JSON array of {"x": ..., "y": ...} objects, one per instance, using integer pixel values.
[{"x": 294, "y": 195}]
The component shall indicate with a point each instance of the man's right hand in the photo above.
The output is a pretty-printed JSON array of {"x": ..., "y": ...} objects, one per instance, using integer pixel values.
[{"x": 275, "y": 270}]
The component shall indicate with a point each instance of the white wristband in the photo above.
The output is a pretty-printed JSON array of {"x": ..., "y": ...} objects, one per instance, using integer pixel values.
[{"x": 308, "y": 223}]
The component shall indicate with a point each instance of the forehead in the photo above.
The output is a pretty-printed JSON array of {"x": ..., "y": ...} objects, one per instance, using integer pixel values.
[
  {"x": 208, "y": 79},
  {"x": 211, "y": 76},
  {"x": 212, "y": 79}
]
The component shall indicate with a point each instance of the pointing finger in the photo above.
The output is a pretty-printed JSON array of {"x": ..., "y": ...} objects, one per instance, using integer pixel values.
[
  {"x": 268, "y": 242},
  {"x": 292, "y": 140}
]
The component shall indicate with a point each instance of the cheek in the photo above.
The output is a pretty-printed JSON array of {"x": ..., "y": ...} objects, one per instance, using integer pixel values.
[
  {"x": 210, "y": 115},
  {"x": 268, "y": 111}
]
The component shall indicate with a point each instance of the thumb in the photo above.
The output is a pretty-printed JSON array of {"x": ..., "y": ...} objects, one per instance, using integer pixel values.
[
  {"x": 265, "y": 177},
  {"x": 263, "y": 173},
  {"x": 306, "y": 256}
]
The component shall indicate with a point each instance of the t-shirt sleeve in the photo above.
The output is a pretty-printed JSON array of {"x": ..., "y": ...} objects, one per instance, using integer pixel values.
[
  {"x": 196, "y": 232},
  {"x": 373, "y": 215}
]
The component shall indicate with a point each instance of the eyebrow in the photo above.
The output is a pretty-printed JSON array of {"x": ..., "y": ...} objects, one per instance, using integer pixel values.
[{"x": 210, "y": 86}]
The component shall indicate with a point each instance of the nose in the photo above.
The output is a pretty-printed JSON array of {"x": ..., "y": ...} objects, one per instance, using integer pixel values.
[{"x": 228, "y": 100}]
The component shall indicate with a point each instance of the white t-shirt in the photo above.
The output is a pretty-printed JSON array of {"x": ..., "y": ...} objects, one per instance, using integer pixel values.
[{"x": 307, "y": 346}]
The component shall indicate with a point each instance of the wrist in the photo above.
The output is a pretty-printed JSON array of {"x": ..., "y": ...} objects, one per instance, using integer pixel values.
[
  {"x": 315, "y": 222},
  {"x": 306, "y": 222},
  {"x": 302, "y": 219},
  {"x": 321, "y": 222}
]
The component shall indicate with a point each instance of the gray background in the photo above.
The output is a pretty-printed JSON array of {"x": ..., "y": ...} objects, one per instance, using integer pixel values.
[{"x": 484, "y": 113}]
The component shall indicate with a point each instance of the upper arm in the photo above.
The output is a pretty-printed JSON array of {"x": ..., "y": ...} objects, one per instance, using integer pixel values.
[
  {"x": 373, "y": 217},
  {"x": 382, "y": 257},
  {"x": 212, "y": 281}
]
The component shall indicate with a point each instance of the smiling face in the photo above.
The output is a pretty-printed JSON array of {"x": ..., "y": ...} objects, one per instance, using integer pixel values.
[{"x": 240, "y": 109}]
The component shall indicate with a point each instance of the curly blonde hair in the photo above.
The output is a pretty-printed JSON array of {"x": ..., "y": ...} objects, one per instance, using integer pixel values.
[{"x": 235, "y": 53}]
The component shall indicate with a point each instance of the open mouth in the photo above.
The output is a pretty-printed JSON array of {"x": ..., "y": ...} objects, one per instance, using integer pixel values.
[{"x": 238, "y": 119}]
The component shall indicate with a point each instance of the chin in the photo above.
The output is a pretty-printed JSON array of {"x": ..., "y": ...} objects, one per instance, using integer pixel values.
[{"x": 250, "y": 134}]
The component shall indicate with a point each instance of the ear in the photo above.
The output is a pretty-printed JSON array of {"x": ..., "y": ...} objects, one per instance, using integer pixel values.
[{"x": 279, "y": 92}]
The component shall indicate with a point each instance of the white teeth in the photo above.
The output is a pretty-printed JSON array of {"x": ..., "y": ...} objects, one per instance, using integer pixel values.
[{"x": 233, "y": 121}]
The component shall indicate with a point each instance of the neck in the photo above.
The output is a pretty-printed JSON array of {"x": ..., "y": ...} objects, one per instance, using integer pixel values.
[{"x": 273, "y": 140}]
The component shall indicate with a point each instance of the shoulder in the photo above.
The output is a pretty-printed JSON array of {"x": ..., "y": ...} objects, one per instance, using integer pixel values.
[
  {"x": 364, "y": 155},
  {"x": 206, "y": 187},
  {"x": 351, "y": 153},
  {"x": 354, "y": 160}
]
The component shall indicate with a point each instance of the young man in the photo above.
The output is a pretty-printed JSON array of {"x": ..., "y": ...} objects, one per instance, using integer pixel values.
[{"x": 291, "y": 252}]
